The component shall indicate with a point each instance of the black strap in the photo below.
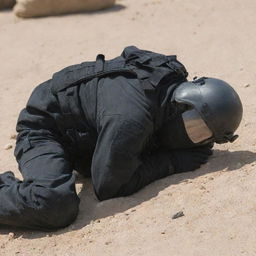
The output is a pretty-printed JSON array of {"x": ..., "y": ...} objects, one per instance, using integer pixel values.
[
  {"x": 99, "y": 64},
  {"x": 84, "y": 72}
]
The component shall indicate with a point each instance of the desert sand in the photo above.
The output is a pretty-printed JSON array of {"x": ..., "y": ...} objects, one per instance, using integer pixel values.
[{"x": 212, "y": 38}]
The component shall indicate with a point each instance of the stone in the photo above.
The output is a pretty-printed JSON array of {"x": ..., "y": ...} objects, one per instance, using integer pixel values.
[
  {"x": 8, "y": 146},
  {"x": 11, "y": 236},
  {"x": 37, "y": 8},
  {"x": 13, "y": 136},
  {"x": 178, "y": 215}
]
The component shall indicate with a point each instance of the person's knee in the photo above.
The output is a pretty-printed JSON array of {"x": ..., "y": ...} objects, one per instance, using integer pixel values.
[{"x": 57, "y": 210}]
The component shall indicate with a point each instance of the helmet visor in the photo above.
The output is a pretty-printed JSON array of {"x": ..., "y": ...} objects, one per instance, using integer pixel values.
[{"x": 196, "y": 128}]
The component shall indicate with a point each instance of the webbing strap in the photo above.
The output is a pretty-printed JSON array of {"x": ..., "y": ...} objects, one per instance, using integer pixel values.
[
  {"x": 99, "y": 64},
  {"x": 86, "y": 71}
]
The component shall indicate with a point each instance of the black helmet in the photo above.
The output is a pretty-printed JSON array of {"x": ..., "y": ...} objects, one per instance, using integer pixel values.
[{"x": 217, "y": 103}]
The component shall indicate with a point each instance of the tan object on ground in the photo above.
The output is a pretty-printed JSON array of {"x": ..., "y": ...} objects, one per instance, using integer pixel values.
[
  {"x": 35, "y": 8},
  {"x": 6, "y": 4}
]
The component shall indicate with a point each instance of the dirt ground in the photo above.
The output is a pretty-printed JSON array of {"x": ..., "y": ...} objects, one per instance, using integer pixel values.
[{"x": 212, "y": 38}]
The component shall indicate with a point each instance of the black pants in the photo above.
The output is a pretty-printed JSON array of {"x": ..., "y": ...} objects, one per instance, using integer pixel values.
[{"x": 46, "y": 198}]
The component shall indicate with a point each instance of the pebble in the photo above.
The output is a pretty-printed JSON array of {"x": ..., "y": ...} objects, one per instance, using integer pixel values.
[
  {"x": 247, "y": 85},
  {"x": 8, "y": 146},
  {"x": 11, "y": 236},
  {"x": 178, "y": 215},
  {"x": 13, "y": 136}
]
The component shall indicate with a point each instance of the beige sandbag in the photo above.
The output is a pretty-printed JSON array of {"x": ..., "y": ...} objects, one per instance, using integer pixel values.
[
  {"x": 6, "y": 4},
  {"x": 35, "y": 8}
]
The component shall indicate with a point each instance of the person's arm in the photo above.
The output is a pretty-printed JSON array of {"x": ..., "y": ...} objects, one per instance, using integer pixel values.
[
  {"x": 118, "y": 168},
  {"x": 163, "y": 163}
]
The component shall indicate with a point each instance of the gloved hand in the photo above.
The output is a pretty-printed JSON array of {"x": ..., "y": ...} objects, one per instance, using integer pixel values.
[{"x": 185, "y": 160}]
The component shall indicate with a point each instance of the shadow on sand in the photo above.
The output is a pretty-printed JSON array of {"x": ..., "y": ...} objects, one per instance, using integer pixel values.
[{"x": 91, "y": 209}]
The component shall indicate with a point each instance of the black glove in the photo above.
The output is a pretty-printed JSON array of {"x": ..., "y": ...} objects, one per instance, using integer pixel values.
[{"x": 186, "y": 160}]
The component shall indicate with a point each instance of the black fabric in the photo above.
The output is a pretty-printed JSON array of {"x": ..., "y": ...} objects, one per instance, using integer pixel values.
[
  {"x": 104, "y": 127},
  {"x": 190, "y": 159},
  {"x": 177, "y": 138}
]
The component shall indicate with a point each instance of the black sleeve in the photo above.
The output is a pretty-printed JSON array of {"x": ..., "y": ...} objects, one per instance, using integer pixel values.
[
  {"x": 118, "y": 168},
  {"x": 153, "y": 167}
]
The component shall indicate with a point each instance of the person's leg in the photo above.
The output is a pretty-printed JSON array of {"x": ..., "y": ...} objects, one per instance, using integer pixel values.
[{"x": 46, "y": 198}]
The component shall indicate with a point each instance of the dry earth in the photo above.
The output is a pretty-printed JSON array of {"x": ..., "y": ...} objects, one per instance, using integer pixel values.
[{"x": 212, "y": 38}]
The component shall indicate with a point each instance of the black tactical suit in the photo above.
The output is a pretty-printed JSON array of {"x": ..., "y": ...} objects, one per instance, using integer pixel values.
[{"x": 99, "y": 118}]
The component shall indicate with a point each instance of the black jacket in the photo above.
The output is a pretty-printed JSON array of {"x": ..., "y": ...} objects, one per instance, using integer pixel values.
[{"x": 106, "y": 114}]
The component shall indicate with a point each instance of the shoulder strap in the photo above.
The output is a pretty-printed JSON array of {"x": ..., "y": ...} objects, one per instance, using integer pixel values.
[{"x": 86, "y": 71}]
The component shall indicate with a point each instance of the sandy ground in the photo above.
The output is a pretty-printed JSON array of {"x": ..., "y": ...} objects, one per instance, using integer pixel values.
[{"x": 212, "y": 38}]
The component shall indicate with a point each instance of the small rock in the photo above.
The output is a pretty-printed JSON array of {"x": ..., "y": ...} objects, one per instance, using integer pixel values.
[
  {"x": 202, "y": 188},
  {"x": 13, "y": 136},
  {"x": 163, "y": 232},
  {"x": 8, "y": 146},
  {"x": 247, "y": 85},
  {"x": 107, "y": 243},
  {"x": 178, "y": 215},
  {"x": 11, "y": 236}
]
